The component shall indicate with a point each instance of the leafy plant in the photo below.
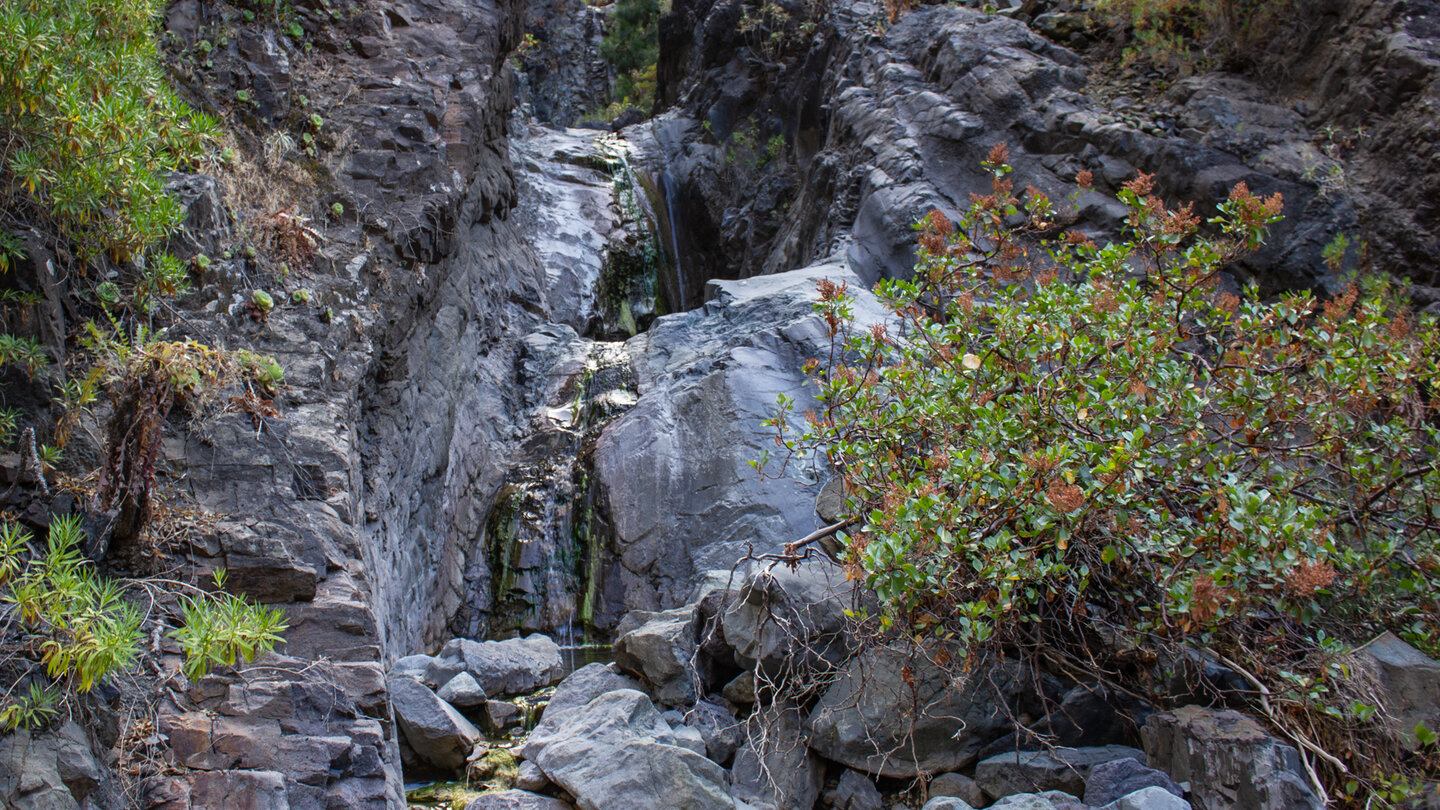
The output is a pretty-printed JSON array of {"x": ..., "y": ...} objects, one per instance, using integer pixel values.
[
  {"x": 632, "y": 47},
  {"x": 81, "y": 628},
  {"x": 146, "y": 377},
  {"x": 90, "y": 128},
  {"x": 1191, "y": 35},
  {"x": 27, "y": 353},
  {"x": 222, "y": 630},
  {"x": 1100, "y": 456}
]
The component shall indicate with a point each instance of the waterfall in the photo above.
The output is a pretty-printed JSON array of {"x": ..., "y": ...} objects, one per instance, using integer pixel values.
[{"x": 591, "y": 220}]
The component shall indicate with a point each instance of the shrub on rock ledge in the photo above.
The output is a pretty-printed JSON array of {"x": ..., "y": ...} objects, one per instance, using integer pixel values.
[{"x": 1101, "y": 459}]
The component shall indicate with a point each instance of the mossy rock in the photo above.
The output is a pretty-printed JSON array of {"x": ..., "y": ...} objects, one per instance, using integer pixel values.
[
  {"x": 497, "y": 770},
  {"x": 449, "y": 795}
]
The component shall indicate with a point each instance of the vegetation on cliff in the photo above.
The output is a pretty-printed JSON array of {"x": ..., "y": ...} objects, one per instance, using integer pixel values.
[
  {"x": 89, "y": 134},
  {"x": 1101, "y": 459}
]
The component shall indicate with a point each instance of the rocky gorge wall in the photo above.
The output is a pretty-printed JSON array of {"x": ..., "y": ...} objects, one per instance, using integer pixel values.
[{"x": 451, "y": 358}]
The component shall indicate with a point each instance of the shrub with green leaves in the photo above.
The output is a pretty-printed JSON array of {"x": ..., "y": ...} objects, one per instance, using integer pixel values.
[
  {"x": 79, "y": 627},
  {"x": 1190, "y": 35},
  {"x": 1099, "y": 456},
  {"x": 632, "y": 47},
  {"x": 90, "y": 128}
]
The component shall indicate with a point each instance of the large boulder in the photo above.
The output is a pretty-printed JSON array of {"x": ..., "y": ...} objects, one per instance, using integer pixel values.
[
  {"x": 893, "y": 712},
  {"x": 435, "y": 731},
  {"x": 774, "y": 769},
  {"x": 661, "y": 647},
  {"x": 856, "y": 791},
  {"x": 1150, "y": 798},
  {"x": 1228, "y": 759},
  {"x": 790, "y": 618},
  {"x": 584, "y": 685},
  {"x": 511, "y": 667},
  {"x": 723, "y": 734},
  {"x": 959, "y": 786},
  {"x": 1055, "y": 769},
  {"x": 673, "y": 474},
  {"x": 618, "y": 752},
  {"x": 1109, "y": 781},
  {"x": 1410, "y": 681}
]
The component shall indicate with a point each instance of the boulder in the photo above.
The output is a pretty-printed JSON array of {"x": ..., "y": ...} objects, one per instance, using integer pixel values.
[
  {"x": 435, "y": 731},
  {"x": 774, "y": 768},
  {"x": 55, "y": 769},
  {"x": 786, "y": 619},
  {"x": 1150, "y": 798},
  {"x": 502, "y": 714},
  {"x": 948, "y": 803},
  {"x": 722, "y": 732},
  {"x": 516, "y": 800},
  {"x": 511, "y": 667},
  {"x": 1056, "y": 769},
  {"x": 417, "y": 667},
  {"x": 1410, "y": 681},
  {"x": 530, "y": 777},
  {"x": 462, "y": 691},
  {"x": 1109, "y": 781},
  {"x": 878, "y": 720},
  {"x": 960, "y": 786},
  {"x": 1024, "y": 801},
  {"x": 673, "y": 473},
  {"x": 660, "y": 647},
  {"x": 1228, "y": 759},
  {"x": 617, "y": 752},
  {"x": 584, "y": 685},
  {"x": 856, "y": 791},
  {"x": 741, "y": 689}
]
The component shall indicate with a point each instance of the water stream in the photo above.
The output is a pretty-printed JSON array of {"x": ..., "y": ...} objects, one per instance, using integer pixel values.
[{"x": 591, "y": 220}]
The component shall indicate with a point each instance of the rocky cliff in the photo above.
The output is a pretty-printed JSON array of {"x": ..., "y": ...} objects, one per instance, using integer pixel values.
[{"x": 491, "y": 426}]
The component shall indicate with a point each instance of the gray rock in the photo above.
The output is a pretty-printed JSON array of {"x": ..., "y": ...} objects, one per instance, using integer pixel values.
[
  {"x": 774, "y": 768},
  {"x": 959, "y": 786},
  {"x": 51, "y": 770},
  {"x": 1109, "y": 781},
  {"x": 856, "y": 791},
  {"x": 660, "y": 647},
  {"x": 584, "y": 685},
  {"x": 436, "y": 732},
  {"x": 1228, "y": 759},
  {"x": 870, "y": 719},
  {"x": 511, "y": 667},
  {"x": 1024, "y": 801},
  {"x": 674, "y": 471},
  {"x": 741, "y": 689},
  {"x": 530, "y": 777},
  {"x": 786, "y": 619},
  {"x": 462, "y": 691},
  {"x": 1150, "y": 798},
  {"x": 691, "y": 738},
  {"x": 1411, "y": 684},
  {"x": 416, "y": 666},
  {"x": 948, "y": 803},
  {"x": 502, "y": 714},
  {"x": 1056, "y": 769},
  {"x": 616, "y": 751},
  {"x": 722, "y": 732},
  {"x": 516, "y": 800}
]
